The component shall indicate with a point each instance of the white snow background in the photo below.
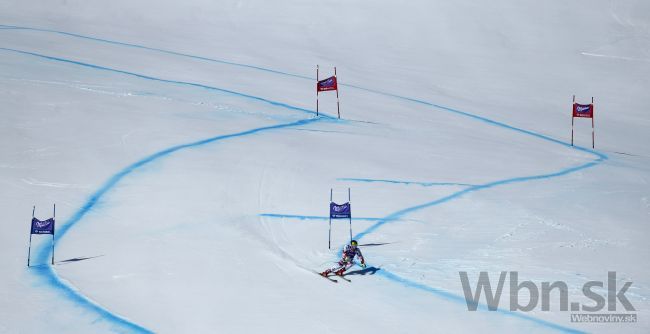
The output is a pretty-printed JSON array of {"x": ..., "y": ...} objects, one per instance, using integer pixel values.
[{"x": 192, "y": 177}]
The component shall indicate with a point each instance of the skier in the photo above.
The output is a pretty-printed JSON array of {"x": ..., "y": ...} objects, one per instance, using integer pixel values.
[{"x": 345, "y": 263}]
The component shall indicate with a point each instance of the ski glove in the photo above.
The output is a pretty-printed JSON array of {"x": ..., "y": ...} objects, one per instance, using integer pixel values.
[{"x": 363, "y": 265}]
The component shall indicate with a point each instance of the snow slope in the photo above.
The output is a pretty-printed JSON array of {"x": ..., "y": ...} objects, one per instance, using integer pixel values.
[{"x": 180, "y": 145}]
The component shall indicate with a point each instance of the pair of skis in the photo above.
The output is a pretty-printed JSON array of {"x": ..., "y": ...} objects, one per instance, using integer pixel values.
[{"x": 332, "y": 279}]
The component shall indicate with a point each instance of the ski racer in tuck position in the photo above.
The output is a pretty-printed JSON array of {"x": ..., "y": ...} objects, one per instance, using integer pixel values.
[{"x": 349, "y": 253}]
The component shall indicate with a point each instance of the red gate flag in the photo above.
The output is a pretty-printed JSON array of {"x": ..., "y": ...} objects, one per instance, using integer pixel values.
[
  {"x": 326, "y": 84},
  {"x": 583, "y": 110}
]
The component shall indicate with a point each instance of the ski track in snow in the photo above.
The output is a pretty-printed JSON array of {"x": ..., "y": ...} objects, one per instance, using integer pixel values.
[
  {"x": 613, "y": 57},
  {"x": 48, "y": 273},
  {"x": 302, "y": 217},
  {"x": 424, "y": 184}
]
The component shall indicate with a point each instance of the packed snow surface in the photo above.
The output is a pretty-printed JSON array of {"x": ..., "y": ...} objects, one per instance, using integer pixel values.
[{"x": 191, "y": 175}]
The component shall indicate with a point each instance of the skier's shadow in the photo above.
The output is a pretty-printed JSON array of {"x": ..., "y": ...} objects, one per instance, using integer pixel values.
[{"x": 365, "y": 271}]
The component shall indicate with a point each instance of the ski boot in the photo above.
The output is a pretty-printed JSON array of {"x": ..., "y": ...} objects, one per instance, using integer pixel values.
[
  {"x": 340, "y": 272},
  {"x": 325, "y": 273}
]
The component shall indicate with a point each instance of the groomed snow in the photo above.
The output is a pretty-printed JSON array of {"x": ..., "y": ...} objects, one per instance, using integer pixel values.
[{"x": 192, "y": 177}]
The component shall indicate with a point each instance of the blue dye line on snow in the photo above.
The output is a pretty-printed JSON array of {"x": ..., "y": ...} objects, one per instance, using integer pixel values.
[
  {"x": 424, "y": 184},
  {"x": 45, "y": 252},
  {"x": 459, "y": 299},
  {"x": 120, "y": 324},
  {"x": 96, "y": 39},
  {"x": 116, "y": 178},
  {"x": 450, "y": 296},
  {"x": 398, "y": 214},
  {"x": 601, "y": 157},
  {"x": 414, "y": 100},
  {"x": 183, "y": 83}
]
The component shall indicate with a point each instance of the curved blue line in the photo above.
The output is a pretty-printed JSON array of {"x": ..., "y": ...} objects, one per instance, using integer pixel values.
[
  {"x": 452, "y": 297},
  {"x": 116, "y": 178},
  {"x": 447, "y": 295},
  {"x": 176, "y": 82},
  {"x": 45, "y": 252},
  {"x": 397, "y": 215},
  {"x": 120, "y": 324}
]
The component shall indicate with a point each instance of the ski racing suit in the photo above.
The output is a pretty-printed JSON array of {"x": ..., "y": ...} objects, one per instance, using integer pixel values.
[{"x": 349, "y": 252}]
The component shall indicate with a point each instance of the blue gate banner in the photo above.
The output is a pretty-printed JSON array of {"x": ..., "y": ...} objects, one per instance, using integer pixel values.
[
  {"x": 43, "y": 226},
  {"x": 340, "y": 211}
]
